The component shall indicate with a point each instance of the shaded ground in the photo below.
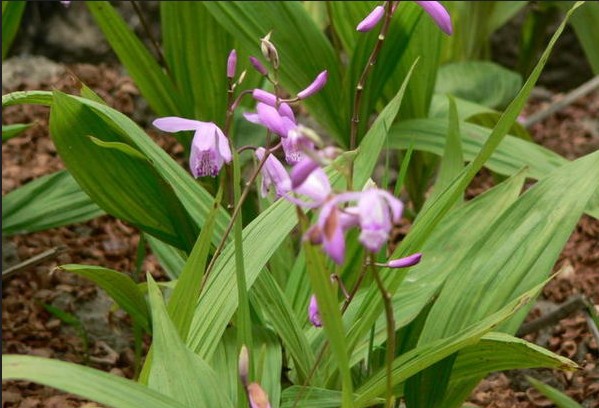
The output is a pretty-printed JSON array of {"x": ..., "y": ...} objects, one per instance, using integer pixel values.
[{"x": 28, "y": 328}]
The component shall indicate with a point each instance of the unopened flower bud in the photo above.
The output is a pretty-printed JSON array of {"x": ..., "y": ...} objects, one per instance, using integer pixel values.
[
  {"x": 313, "y": 313},
  {"x": 244, "y": 364},
  {"x": 231, "y": 64},
  {"x": 265, "y": 97},
  {"x": 371, "y": 20},
  {"x": 315, "y": 86},
  {"x": 269, "y": 51},
  {"x": 257, "y": 396},
  {"x": 438, "y": 14},
  {"x": 405, "y": 262},
  {"x": 258, "y": 66}
]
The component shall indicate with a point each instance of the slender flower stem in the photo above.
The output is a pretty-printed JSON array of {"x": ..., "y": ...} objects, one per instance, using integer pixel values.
[
  {"x": 355, "y": 288},
  {"x": 355, "y": 120},
  {"x": 390, "y": 331},
  {"x": 236, "y": 212}
]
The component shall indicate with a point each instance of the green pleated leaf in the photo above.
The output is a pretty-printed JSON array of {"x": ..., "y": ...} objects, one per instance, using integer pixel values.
[
  {"x": 313, "y": 397},
  {"x": 142, "y": 198},
  {"x": 418, "y": 359},
  {"x": 47, "y": 202},
  {"x": 435, "y": 210},
  {"x": 95, "y": 385},
  {"x": 12, "y": 11},
  {"x": 176, "y": 370},
  {"x": 560, "y": 399},
  {"x": 498, "y": 352},
  {"x": 585, "y": 26},
  {"x": 196, "y": 200},
  {"x": 482, "y": 82},
  {"x": 120, "y": 287},
  {"x": 10, "y": 131},
  {"x": 171, "y": 259},
  {"x": 268, "y": 296},
  {"x": 303, "y": 50},
  {"x": 443, "y": 253},
  {"x": 196, "y": 48},
  {"x": 149, "y": 77},
  {"x": 372, "y": 144}
]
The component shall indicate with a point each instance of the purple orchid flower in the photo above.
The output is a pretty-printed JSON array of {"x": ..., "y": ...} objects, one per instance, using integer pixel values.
[
  {"x": 209, "y": 147},
  {"x": 315, "y": 187},
  {"x": 313, "y": 313},
  {"x": 273, "y": 174},
  {"x": 439, "y": 14},
  {"x": 277, "y": 121},
  {"x": 377, "y": 210}
]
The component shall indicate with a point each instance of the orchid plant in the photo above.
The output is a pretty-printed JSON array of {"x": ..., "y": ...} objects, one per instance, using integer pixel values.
[{"x": 313, "y": 300}]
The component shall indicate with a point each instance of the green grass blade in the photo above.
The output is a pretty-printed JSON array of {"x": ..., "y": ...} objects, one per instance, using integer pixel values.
[
  {"x": 153, "y": 83},
  {"x": 95, "y": 385},
  {"x": 51, "y": 201},
  {"x": 120, "y": 287}
]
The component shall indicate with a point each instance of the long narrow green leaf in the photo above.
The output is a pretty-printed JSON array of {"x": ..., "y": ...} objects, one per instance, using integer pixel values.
[
  {"x": 92, "y": 384},
  {"x": 153, "y": 83},
  {"x": 171, "y": 259},
  {"x": 174, "y": 366},
  {"x": 120, "y": 287},
  {"x": 47, "y": 202},
  {"x": 12, "y": 11},
  {"x": 587, "y": 31},
  {"x": 99, "y": 170}
]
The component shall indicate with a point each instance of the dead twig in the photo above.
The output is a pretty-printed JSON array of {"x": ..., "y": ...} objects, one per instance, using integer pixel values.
[{"x": 34, "y": 260}]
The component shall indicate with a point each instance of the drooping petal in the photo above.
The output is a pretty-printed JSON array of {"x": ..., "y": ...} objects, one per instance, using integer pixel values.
[
  {"x": 286, "y": 111},
  {"x": 175, "y": 124},
  {"x": 301, "y": 171},
  {"x": 394, "y": 203},
  {"x": 333, "y": 240},
  {"x": 205, "y": 158},
  {"x": 222, "y": 144},
  {"x": 316, "y": 187},
  {"x": 405, "y": 262},
  {"x": 371, "y": 20},
  {"x": 439, "y": 14},
  {"x": 313, "y": 313},
  {"x": 273, "y": 173},
  {"x": 271, "y": 118},
  {"x": 315, "y": 86},
  {"x": 375, "y": 220}
]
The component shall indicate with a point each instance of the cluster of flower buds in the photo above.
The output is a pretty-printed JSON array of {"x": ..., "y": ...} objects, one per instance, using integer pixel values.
[{"x": 435, "y": 9}]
